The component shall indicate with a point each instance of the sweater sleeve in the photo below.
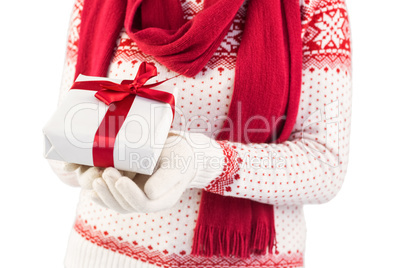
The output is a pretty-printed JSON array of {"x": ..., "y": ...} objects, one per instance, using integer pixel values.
[
  {"x": 69, "y": 177},
  {"x": 310, "y": 167}
]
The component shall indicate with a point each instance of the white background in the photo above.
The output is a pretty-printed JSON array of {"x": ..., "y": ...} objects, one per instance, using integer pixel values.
[{"x": 361, "y": 227}]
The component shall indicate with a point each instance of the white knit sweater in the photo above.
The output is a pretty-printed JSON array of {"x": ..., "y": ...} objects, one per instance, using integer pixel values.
[{"x": 307, "y": 169}]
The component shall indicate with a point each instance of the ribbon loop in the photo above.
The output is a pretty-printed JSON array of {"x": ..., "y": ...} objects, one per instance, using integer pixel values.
[{"x": 112, "y": 92}]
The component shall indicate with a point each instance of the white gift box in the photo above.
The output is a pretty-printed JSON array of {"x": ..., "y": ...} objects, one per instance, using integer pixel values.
[{"x": 69, "y": 134}]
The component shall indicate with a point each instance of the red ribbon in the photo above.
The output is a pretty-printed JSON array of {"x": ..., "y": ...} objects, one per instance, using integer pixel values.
[{"x": 120, "y": 97}]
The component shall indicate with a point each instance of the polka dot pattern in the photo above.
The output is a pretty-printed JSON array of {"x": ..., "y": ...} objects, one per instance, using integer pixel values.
[{"x": 310, "y": 167}]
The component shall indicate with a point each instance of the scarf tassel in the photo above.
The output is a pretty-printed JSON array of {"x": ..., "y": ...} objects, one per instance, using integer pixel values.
[
  {"x": 263, "y": 237},
  {"x": 213, "y": 241}
]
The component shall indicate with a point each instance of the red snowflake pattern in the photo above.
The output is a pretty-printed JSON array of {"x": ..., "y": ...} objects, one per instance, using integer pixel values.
[
  {"x": 326, "y": 35},
  {"x": 163, "y": 259},
  {"x": 230, "y": 170}
]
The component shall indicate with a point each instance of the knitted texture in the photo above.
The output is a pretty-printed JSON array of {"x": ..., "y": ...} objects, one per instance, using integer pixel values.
[{"x": 309, "y": 168}]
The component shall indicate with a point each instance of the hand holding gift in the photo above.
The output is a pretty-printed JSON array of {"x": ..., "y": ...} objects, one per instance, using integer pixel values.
[
  {"x": 146, "y": 193},
  {"x": 176, "y": 171},
  {"x": 101, "y": 151}
]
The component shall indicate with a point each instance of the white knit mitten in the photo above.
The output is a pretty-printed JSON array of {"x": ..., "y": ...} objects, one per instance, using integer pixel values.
[
  {"x": 74, "y": 174},
  {"x": 69, "y": 177},
  {"x": 184, "y": 163}
]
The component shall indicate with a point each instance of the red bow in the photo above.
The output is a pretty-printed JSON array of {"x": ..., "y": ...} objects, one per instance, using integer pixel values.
[{"x": 112, "y": 92}]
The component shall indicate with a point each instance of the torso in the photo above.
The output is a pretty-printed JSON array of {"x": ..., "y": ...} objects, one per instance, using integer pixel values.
[{"x": 165, "y": 238}]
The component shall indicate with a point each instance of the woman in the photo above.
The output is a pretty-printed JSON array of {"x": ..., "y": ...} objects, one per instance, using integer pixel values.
[{"x": 288, "y": 147}]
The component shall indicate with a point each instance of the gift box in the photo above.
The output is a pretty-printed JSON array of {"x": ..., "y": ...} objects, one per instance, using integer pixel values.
[{"x": 110, "y": 122}]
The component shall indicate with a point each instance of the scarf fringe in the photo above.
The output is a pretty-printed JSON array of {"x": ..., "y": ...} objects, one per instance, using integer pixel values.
[
  {"x": 213, "y": 241},
  {"x": 261, "y": 240}
]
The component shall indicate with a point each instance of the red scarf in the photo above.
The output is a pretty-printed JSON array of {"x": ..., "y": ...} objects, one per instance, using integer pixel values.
[{"x": 267, "y": 83}]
